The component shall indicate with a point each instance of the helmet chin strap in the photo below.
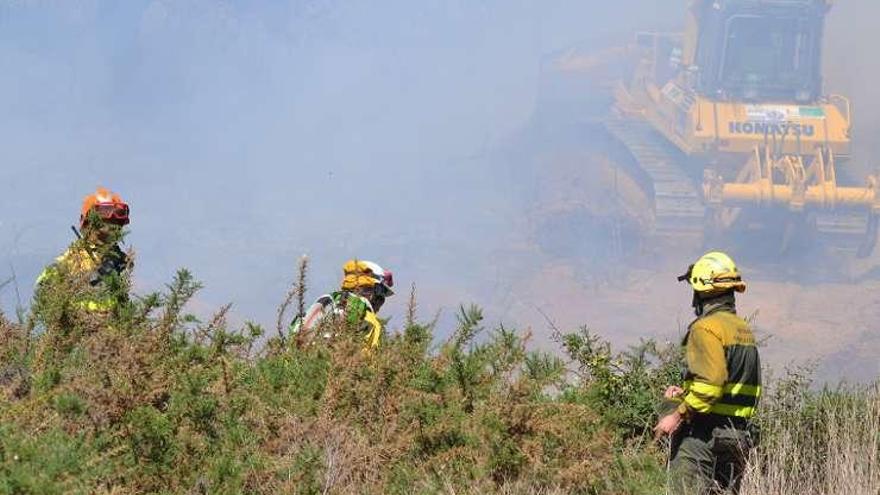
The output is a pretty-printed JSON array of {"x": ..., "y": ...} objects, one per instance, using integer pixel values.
[{"x": 697, "y": 304}]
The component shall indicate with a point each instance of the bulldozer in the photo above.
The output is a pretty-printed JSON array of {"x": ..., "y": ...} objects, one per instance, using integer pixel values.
[{"x": 725, "y": 129}]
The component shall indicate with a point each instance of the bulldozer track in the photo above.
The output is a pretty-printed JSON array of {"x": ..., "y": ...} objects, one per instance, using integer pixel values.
[
  {"x": 843, "y": 232},
  {"x": 679, "y": 208},
  {"x": 679, "y": 212}
]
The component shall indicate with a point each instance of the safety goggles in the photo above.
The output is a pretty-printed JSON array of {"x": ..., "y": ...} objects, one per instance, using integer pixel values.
[{"x": 114, "y": 213}]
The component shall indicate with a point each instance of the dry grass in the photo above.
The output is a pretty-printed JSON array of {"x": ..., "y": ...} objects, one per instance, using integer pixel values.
[{"x": 818, "y": 443}]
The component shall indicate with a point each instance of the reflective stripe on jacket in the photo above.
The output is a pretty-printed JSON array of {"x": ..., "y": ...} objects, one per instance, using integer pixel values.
[{"x": 723, "y": 367}]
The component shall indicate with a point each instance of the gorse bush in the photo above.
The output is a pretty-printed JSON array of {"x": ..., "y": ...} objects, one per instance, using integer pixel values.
[
  {"x": 626, "y": 385},
  {"x": 145, "y": 398}
]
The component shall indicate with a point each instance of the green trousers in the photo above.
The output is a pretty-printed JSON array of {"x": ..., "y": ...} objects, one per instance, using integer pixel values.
[{"x": 709, "y": 457}]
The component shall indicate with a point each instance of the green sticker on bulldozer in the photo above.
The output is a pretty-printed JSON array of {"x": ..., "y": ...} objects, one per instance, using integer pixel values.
[{"x": 811, "y": 112}]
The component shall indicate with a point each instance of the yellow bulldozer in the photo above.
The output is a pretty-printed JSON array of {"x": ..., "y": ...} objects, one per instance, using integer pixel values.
[{"x": 727, "y": 128}]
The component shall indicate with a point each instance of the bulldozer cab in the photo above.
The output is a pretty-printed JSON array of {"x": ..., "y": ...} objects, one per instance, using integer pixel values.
[
  {"x": 726, "y": 129},
  {"x": 758, "y": 50}
]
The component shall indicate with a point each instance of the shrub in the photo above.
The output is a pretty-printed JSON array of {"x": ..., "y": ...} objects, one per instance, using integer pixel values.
[{"x": 146, "y": 398}]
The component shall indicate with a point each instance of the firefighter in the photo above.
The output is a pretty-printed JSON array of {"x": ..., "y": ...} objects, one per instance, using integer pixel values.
[
  {"x": 365, "y": 286},
  {"x": 710, "y": 429},
  {"x": 94, "y": 263}
]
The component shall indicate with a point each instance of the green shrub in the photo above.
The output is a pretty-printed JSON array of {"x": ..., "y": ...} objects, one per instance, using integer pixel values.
[{"x": 147, "y": 399}]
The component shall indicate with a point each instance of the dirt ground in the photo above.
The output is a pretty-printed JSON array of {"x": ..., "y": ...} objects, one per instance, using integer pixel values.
[{"x": 834, "y": 325}]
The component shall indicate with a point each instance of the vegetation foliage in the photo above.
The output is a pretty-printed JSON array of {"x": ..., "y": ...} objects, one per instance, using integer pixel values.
[{"x": 148, "y": 399}]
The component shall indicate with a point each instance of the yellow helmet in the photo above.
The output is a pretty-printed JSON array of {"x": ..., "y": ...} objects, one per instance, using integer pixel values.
[
  {"x": 714, "y": 272},
  {"x": 361, "y": 274}
]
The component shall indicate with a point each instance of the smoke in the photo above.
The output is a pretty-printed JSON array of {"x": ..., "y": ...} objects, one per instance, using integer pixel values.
[
  {"x": 850, "y": 70},
  {"x": 245, "y": 134}
]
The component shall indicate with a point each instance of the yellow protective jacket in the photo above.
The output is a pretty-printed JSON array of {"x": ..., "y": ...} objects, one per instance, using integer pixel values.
[
  {"x": 90, "y": 265},
  {"x": 723, "y": 366}
]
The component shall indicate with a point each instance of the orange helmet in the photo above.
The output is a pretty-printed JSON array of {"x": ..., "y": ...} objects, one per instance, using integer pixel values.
[{"x": 107, "y": 205}]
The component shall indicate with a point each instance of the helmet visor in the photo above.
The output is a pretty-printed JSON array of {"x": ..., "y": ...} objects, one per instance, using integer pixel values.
[{"x": 114, "y": 213}]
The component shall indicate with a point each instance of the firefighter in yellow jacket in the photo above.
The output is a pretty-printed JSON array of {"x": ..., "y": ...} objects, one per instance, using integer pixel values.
[
  {"x": 92, "y": 265},
  {"x": 365, "y": 286},
  {"x": 711, "y": 430}
]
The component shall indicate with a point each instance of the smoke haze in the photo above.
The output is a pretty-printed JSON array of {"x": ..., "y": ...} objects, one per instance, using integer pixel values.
[{"x": 245, "y": 134}]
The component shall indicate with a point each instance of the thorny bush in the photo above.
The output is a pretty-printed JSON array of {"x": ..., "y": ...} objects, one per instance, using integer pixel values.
[{"x": 146, "y": 398}]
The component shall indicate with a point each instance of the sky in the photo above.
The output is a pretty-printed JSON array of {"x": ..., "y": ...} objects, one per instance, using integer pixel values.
[{"x": 246, "y": 134}]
